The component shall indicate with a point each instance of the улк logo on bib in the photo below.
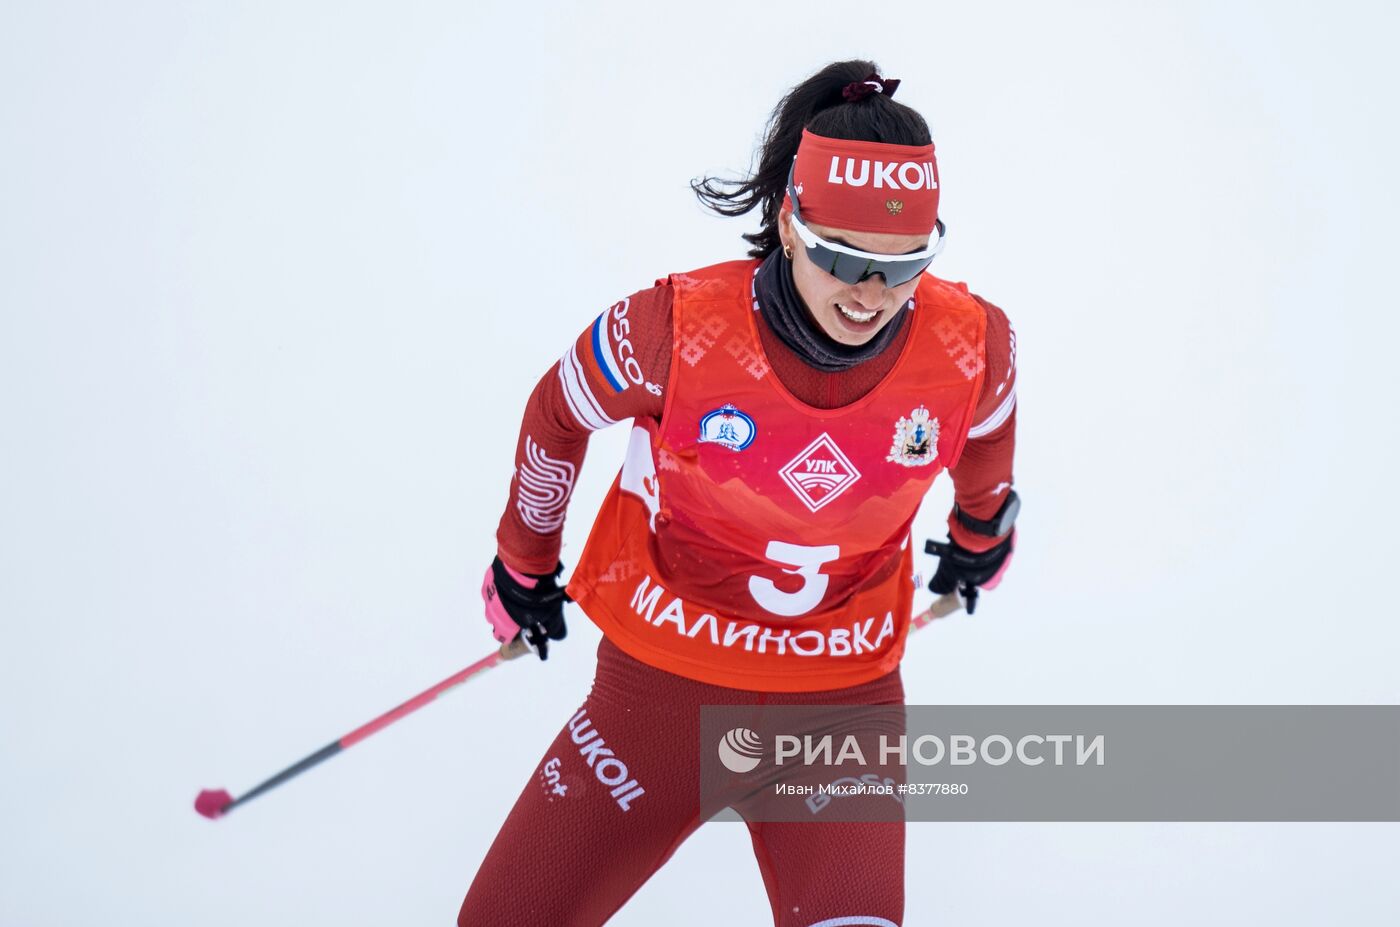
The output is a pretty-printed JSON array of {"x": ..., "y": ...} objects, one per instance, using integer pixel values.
[
  {"x": 915, "y": 439},
  {"x": 728, "y": 426},
  {"x": 820, "y": 473}
]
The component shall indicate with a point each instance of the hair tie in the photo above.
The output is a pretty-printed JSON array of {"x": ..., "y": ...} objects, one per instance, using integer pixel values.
[{"x": 874, "y": 83}]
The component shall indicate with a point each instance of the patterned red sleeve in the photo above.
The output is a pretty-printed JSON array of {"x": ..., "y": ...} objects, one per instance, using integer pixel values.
[
  {"x": 616, "y": 369},
  {"x": 983, "y": 473}
]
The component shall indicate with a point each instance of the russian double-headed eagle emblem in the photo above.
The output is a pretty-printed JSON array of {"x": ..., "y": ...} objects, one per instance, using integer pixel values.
[{"x": 915, "y": 439}]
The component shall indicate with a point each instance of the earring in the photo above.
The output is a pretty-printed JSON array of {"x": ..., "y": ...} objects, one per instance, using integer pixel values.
[{"x": 787, "y": 252}]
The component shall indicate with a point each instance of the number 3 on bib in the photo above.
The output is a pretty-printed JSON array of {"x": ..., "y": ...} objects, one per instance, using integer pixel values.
[{"x": 807, "y": 563}]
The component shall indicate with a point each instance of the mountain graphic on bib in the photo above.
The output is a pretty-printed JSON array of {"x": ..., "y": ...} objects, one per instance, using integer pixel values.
[{"x": 753, "y": 541}]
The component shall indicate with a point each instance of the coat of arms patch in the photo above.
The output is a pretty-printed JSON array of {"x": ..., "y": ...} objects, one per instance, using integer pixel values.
[{"x": 915, "y": 440}]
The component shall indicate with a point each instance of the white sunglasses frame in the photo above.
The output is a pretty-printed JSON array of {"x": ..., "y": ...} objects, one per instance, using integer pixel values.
[{"x": 812, "y": 240}]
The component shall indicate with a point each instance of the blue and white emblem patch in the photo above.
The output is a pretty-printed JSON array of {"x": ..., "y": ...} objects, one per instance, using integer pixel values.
[{"x": 728, "y": 426}]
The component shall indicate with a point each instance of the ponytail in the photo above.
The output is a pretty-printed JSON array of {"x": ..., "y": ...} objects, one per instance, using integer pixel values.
[{"x": 817, "y": 104}]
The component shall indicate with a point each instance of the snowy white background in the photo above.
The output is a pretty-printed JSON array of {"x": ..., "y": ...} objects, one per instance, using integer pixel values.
[{"x": 276, "y": 280}]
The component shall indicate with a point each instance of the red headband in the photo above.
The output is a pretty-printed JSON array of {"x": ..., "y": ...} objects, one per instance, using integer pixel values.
[{"x": 866, "y": 186}]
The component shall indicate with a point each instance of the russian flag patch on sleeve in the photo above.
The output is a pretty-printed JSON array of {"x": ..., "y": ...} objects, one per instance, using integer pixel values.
[{"x": 612, "y": 351}]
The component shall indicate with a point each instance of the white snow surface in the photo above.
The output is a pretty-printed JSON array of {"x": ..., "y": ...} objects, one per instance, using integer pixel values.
[{"x": 276, "y": 280}]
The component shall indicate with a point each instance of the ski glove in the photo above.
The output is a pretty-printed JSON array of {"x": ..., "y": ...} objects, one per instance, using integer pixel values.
[
  {"x": 966, "y": 570},
  {"x": 523, "y": 604}
]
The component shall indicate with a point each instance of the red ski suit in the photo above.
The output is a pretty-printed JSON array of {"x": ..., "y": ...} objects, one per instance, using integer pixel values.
[{"x": 754, "y": 549}]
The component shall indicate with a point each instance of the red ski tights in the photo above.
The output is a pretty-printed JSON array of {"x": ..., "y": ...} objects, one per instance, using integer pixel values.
[{"x": 584, "y": 836}]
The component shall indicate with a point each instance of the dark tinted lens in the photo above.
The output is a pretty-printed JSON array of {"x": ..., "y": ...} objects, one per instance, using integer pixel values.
[{"x": 851, "y": 269}]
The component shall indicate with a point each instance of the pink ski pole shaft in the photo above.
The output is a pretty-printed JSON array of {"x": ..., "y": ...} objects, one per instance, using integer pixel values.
[
  {"x": 942, "y": 607},
  {"x": 215, "y": 803}
]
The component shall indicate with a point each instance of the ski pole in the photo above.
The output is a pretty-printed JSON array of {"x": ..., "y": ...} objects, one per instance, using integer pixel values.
[
  {"x": 942, "y": 607},
  {"x": 215, "y": 803}
]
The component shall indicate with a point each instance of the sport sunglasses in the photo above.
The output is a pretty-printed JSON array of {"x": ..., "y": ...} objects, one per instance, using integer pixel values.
[{"x": 851, "y": 265}]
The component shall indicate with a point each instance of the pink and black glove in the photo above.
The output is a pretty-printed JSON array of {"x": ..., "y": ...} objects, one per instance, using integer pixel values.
[
  {"x": 966, "y": 570},
  {"x": 523, "y": 604}
]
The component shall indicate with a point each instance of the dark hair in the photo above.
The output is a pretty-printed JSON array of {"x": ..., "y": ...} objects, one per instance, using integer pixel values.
[{"x": 816, "y": 104}]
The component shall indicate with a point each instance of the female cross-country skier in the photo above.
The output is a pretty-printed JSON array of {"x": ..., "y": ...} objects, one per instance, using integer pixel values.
[{"x": 789, "y": 413}]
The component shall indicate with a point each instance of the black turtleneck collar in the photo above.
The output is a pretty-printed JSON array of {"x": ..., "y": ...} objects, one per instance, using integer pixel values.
[{"x": 782, "y": 308}]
